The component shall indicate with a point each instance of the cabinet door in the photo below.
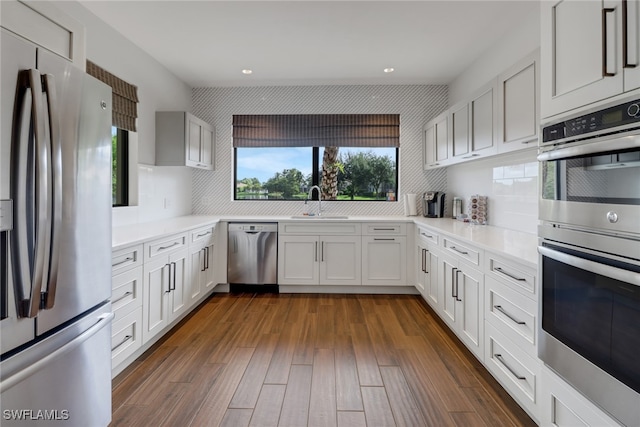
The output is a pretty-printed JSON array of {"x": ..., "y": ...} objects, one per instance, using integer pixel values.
[
  {"x": 207, "y": 153},
  {"x": 460, "y": 130},
  {"x": 209, "y": 278},
  {"x": 429, "y": 148},
  {"x": 180, "y": 287},
  {"x": 194, "y": 130},
  {"x": 483, "y": 110},
  {"x": 518, "y": 104},
  {"x": 384, "y": 260},
  {"x": 421, "y": 269},
  {"x": 340, "y": 260},
  {"x": 447, "y": 268},
  {"x": 155, "y": 297},
  {"x": 631, "y": 44},
  {"x": 433, "y": 290},
  {"x": 197, "y": 268},
  {"x": 442, "y": 140},
  {"x": 580, "y": 47},
  {"x": 469, "y": 298},
  {"x": 298, "y": 260}
]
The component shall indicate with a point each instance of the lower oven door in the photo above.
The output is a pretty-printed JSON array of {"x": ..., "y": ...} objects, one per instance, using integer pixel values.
[{"x": 590, "y": 327}]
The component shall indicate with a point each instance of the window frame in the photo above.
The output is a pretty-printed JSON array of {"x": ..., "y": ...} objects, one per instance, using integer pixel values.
[
  {"x": 316, "y": 168},
  {"x": 121, "y": 196}
]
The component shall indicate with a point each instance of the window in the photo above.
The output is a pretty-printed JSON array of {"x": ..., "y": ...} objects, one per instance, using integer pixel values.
[
  {"x": 119, "y": 166},
  {"x": 124, "y": 114},
  {"x": 350, "y": 157}
]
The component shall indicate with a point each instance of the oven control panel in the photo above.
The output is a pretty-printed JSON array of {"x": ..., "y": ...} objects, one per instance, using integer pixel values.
[{"x": 603, "y": 120}]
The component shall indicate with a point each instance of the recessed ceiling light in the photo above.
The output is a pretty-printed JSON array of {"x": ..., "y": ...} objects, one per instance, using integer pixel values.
[
  {"x": 247, "y": 71},
  {"x": 388, "y": 70}
]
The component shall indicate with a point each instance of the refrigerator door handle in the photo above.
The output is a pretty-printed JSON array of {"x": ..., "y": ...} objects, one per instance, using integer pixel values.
[
  {"x": 30, "y": 209},
  {"x": 103, "y": 321},
  {"x": 55, "y": 175}
]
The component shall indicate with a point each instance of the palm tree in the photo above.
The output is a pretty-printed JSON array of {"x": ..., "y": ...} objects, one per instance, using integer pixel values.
[{"x": 330, "y": 169}]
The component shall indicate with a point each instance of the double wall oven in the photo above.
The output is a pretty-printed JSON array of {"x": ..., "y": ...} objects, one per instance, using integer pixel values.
[{"x": 589, "y": 246}]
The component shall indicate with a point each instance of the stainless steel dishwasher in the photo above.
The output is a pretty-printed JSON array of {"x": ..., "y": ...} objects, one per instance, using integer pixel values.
[{"x": 252, "y": 254}]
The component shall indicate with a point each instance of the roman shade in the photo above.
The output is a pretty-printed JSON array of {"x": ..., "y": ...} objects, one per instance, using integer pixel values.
[
  {"x": 124, "y": 97},
  {"x": 317, "y": 130}
]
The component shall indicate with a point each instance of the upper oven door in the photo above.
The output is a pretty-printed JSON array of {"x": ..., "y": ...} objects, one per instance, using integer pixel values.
[{"x": 593, "y": 186}]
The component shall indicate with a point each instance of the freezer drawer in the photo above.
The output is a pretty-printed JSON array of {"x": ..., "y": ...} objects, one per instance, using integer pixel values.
[{"x": 64, "y": 380}]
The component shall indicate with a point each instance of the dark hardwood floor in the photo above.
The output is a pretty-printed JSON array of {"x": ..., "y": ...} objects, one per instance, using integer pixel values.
[{"x": 311, "y": 360}]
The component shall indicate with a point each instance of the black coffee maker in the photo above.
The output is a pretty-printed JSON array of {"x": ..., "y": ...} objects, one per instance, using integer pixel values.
[{"x": 433, "y": 204}]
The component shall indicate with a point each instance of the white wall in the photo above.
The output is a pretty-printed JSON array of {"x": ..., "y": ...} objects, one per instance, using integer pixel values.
[
  {"x": 213, "y": 190},
  {"x": 523, "y": 39},
  {"x": 158, "y": 90}
]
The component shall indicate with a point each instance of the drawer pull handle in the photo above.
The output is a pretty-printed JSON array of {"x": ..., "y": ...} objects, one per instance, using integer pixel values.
[
  {"x": 384, "y": 229},
  {"x": 127, "y": 259},
  {"x": 503, "y": 311},
  {"x": 161, "y": 248},
  {"x": 459, "y": 251},
  {"x": 506, "y": 273},
  {"x": 126, "y": 338},
  {"x": 387, "y": 239},
  {"x": 126, "y": 294},
  {"x": 514, "y": 373},
  {"x": 427, "y": 236},
  {"x": 203, "y": 234}
]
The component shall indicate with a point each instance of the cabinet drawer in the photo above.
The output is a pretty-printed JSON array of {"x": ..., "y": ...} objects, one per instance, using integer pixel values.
[
  {"x": 517, "y": 276},
  {"x": 320, "y": 228},
  {"x": 513, "y": 368},
  {"x": 203, "y": 235},
  {"x": 428, "y": 235},
  {"x": 462, "y": 251},
  {"x": 511, "y": 313},
  {"x": 126, "y": 295},
  {"x": 397, "y": 229},
  {"x": 126, "y": 259},
  {"x": 126, "y": 337},
  {"x": 164, "y": 245}
]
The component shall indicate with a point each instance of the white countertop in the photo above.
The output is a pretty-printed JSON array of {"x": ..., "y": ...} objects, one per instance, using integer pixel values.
[{"x": 517, "y": 245}]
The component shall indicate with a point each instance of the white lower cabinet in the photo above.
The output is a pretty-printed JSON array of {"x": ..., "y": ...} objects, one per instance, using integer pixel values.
[
  {"x": 384, "y": 260},
  {"x": 126, "y": 303},
  {"x": 201, "y": 262},
  {"x": 562, "y": 406},
  {"x": 165, "y": 291},
  {"x": 462, "y": 290},
  {"x": 319, "y": 260}
]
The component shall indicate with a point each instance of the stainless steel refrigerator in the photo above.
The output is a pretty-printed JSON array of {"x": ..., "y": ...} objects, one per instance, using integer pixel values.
[{"x": 55, "y": 240}]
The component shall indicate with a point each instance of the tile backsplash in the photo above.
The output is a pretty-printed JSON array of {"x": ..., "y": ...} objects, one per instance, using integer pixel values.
[{"x": 511, "y": 183}]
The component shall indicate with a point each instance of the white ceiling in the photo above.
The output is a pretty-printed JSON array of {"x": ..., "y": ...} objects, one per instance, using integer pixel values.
[{"x": 208, "y": 43}]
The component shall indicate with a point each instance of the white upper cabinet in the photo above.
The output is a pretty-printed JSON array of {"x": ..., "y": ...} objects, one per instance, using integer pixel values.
[
  {"x": 588, "y": 52},
  {"x": 45, "y": 25},
  {"x": 182, "y": 139},
  {"x": 459, "y": 127},
  {"x": 519, "y": 104},
  {"x": 436, "y": 142},
  {"x": 631, "y": 44},
  {"x": 483, "y": 111}
]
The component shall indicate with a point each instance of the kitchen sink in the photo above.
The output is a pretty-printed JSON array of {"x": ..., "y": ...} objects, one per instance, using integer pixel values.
[{"x": 319, "y": 217}]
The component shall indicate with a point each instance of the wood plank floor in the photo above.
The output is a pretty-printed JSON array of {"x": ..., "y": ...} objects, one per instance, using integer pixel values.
[{"x": 311, "y": 360}]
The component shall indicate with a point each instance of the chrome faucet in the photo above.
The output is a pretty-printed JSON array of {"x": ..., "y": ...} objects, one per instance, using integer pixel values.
[{"x": 319, "y": 198}]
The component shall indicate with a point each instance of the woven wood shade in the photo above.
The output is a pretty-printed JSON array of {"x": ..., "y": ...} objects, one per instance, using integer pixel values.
[
  {"x": 317, "y": 130},
  {"x": 124, "y": 98}
]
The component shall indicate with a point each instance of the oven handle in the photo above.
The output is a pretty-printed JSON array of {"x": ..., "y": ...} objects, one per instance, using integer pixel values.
[
  {"x": 591, "y": 266},
  {"x": 600, "y": 146}
]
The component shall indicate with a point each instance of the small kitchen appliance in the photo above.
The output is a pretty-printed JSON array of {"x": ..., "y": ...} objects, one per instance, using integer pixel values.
[{"x": 433, "y": 204}]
